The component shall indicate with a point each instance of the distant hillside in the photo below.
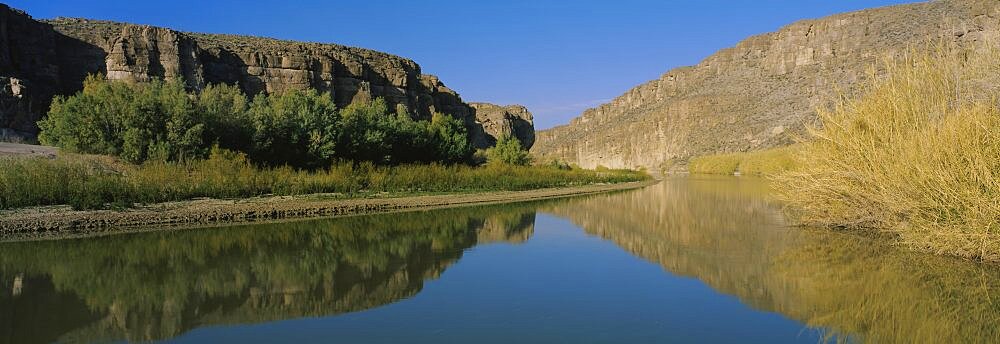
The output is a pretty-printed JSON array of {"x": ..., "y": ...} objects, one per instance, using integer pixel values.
[{"x": 760, "y": 93}]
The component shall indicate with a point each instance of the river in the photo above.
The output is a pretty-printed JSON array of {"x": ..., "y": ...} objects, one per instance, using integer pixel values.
[{"x": 693, "y": 259}]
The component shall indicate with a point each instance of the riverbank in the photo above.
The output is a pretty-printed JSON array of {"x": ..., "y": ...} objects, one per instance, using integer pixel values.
[
  {"x": 90, "y": 182},
  {"x": 755, "y": 163},
  {"x": 60, "y": 222}
]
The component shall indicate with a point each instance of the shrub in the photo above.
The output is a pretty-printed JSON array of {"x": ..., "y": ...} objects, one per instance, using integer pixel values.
[
  {"x": 559, "y": 164},
  {"x": 161, "y": 121},
  {"x": 727, "y": 164},
  {"x": 299, "y": 128},
  {"x": 756, "y": 163},
  {"x": 450, "y": 139},
  {"x": 136, "y": 121},
  {"x": 918, "y": 155},
  {"x": 508, "y": 151},
  {"x": 372, "y": 133},
  {"x": 224, "y": 109}
]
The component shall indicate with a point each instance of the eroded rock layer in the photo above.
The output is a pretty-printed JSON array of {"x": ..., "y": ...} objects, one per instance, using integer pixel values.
[
  {"x": 761, "y": 93},
  {"x": 42, "y": 59}
]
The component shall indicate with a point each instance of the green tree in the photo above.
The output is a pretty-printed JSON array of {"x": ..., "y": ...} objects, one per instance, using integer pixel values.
[
  {"x": 133, "y": 120},
  {"x": 450, "y": 139},
  {"x": 367, "y": 132},
  {"x": 508, "y": 151},
  {"x": 161, "y": 121},
  {"x": 298, "y": 128},
  {"x": 224, "y": 111}
]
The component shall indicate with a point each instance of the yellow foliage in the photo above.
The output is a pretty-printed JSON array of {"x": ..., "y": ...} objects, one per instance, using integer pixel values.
[
  {"x": 917, "y": 155},
  {"x": 756, "y": 163}
]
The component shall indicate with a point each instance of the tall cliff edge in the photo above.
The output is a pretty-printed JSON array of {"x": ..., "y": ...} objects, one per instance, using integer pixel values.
[
  {"x": 40, "y": 59},
  {"x": 761, "y": 93}
]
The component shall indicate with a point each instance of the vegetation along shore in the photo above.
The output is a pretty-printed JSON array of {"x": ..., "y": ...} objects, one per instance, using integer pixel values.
[
  {"x": 916, "y": 154},
  {"x": 127, "y": 148}
]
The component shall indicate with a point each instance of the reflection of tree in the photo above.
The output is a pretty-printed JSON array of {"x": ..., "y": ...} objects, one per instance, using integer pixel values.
[
  {"x": 728, "y": 235},
  {"x": 158, "y": 285}
]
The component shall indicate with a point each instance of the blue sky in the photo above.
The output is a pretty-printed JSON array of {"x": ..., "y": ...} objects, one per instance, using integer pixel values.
[{"x": 556, "y": 57}]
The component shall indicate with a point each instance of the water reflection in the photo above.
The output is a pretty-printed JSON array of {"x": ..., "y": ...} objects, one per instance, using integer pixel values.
[
  {"x": 722, "y": 231},
  {"x": 726, "y": 233},
  {"x": 158, "y": 285}
]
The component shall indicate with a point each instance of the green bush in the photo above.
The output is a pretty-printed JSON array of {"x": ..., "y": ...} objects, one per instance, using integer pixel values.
[
  {"x": 136, "y": 121},
  {"x": 508, "y": 151},
  {"x": 160, "y": 121},
  {"x": 559, "y": 164},
  {"x": 296, "y": 127},
  {"x": 224, "y": 109},
  {"x": 372, "y": 133}
]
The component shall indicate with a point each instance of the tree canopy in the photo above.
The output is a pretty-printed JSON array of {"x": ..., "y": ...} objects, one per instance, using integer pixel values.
[{"x": 160, "y": 120}]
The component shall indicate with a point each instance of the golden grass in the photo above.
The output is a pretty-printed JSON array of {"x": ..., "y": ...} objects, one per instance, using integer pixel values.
[
  {"x": 88, "y": 182},
  {"x": 918, "y": 154},
  {"x": 756, "y": 163}
]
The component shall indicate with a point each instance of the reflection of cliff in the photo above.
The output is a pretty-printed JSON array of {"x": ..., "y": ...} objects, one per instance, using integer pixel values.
[
  {"x": 725, "y": 233},
  {"x": 507, "y": 227},
  {"x": 159, "y": 285}
]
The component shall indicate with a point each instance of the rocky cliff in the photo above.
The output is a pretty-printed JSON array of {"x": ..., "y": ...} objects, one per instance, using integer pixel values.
[
  {"x": 29, "y": 72},
  {"x": 495, "y": 121},
  {"x": 42, "y": 59},
  {"x": 761, "y": 93}
]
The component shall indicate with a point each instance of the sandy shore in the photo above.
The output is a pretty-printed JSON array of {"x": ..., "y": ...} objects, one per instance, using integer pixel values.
[{"x": 63, "y": 222}]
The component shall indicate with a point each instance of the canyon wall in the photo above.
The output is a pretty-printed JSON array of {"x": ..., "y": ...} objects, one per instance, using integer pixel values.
[
  {"x": 761, "y": 93},
  {"x": 40, "y": 59}
]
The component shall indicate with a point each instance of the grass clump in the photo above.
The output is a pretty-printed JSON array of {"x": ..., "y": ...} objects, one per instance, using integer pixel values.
[
  {"x": 757, "y": 163},
  {"x": 94, "y": 182},
  {"x": 918, "y": 155}
]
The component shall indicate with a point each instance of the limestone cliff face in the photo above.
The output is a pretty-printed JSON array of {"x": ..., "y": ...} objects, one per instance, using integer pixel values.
[
  {"x": 53, "y": 57},
  {"x": 761, "y": 93},
  {"x": 494, "y": 122},
  {"x": 137, "y": 52}
]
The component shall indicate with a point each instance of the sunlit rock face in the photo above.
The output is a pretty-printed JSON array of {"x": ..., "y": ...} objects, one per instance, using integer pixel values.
[
  {"x": 761, "y": 93},
  {"x": 55, "y": 56},
  {"x": 494, "y": 122}
]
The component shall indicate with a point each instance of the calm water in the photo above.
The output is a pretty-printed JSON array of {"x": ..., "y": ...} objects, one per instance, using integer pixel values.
[{"x": 687, "y": 260}]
